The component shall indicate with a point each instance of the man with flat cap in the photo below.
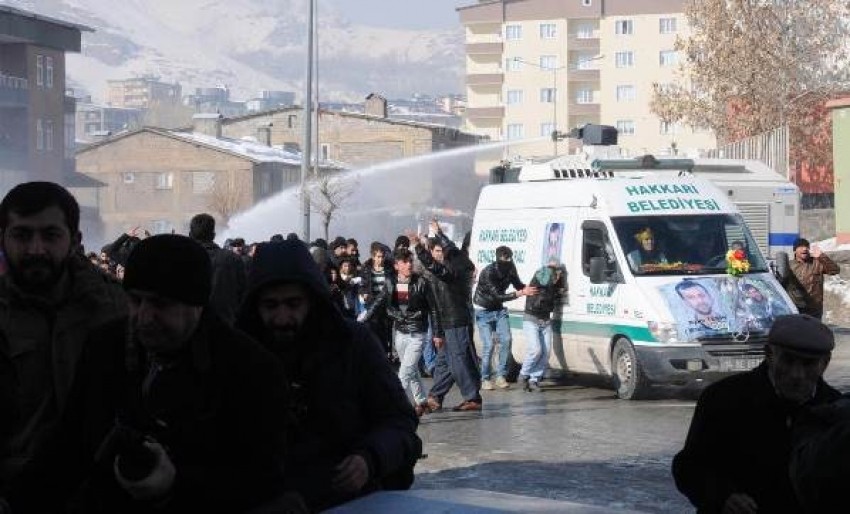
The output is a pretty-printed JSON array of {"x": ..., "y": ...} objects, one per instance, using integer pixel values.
[
  {"x": 737, "y": 452},
  {"x": 171, "y": 410}
]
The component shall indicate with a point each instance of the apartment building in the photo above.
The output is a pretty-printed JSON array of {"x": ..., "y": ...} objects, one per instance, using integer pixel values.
[
  {"x": 539, "y": 66},
  {"x": 36, "y": 119},
  {"x": 94, "y": 121},
  {"x": 142, "y": 93}
]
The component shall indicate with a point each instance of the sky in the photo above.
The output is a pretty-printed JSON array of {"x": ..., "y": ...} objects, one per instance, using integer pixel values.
[{"x": 401, "y": 14}]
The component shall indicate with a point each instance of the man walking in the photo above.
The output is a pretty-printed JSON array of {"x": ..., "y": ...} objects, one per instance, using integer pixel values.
[
  {"x": 491, "y": 315},
  {"x": 451, "y": 274},
  {"x": 50, "y": 302},
  {"x": 229, "y": 273},
  {"x": 408, "y": 301},
  {"x": 805, "y": 280},
  {"x": 172, "y": 410},
  {"x": 354, "y": 430},
  {"x": 736, "y": 456}
]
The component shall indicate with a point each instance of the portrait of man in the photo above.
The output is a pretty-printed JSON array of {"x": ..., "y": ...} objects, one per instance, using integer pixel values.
[
  {"x": 704, "y": 318},
  {"x": 760, "y": 305},
  {"x": 552, "y": 241}
]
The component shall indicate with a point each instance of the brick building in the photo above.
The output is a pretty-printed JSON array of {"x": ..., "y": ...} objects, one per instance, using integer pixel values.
[
  {"x": 158, "y": 179},
  {"x": 36, "y": 119}
]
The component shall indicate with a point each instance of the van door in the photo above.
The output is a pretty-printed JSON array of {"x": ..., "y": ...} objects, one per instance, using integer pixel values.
[{"x": 595, "y": 309}]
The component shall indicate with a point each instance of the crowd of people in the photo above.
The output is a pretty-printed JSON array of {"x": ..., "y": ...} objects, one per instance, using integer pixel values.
[{"x": 168, "y": 374}]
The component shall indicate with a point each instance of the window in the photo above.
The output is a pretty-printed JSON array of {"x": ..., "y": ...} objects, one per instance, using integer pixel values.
[
  {"x": 595, "y": 243},
  {"x": 513, "y": 64},
  {"x": 584, "y": 31},
  {"x": 164, "y": 180},
  {"x": 49, "y": 72},
  {"x": 548, "y": 62},
  {"x": 668, "y": 128},
  {"x": 548, "y": 95},
  {"x": 39, "y": 70},
  {"x": 291, "y": 121},
  {"x": 325, "y": 151},
  {"x": 128, "y": 177},
  {"x": 584, "y": 96},
  {"x": 625, "y": 59},
  {"x": 548, "y": 31},
  {"x": 667, "y": 25},
  {"x": 516, "y": 131},
  {"x": 202, "y": 182},
  {"x": 48, "y": 135},
  {"x": 586, "y": 62},
  {"x": 514, "y": 96},
  {"x": 39, "y": 134},
  {"x": 546, "y": 129},
  {"x": 667, "y": 58},
  {"x": 161, "y": 227},
  {"x": 626, "y": 127},
  {"x": 666, "y": 88},
  {"x": 624, "y": 27},
  {"x": 626, "y": 93},
  {"x": 513, "y": 32}
]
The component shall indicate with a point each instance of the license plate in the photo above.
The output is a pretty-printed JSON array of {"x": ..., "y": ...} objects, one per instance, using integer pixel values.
[{"x": 739, "y": 363}]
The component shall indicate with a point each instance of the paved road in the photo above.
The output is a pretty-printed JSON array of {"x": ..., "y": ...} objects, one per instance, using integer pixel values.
[{"x": 572, "y": 443}]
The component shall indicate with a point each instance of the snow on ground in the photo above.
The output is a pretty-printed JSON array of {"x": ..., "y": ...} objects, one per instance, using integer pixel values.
[{"x": 830, "y": 245}]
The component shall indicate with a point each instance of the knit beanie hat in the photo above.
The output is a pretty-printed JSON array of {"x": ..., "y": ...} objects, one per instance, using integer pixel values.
[{"x": 171, "y": 266}]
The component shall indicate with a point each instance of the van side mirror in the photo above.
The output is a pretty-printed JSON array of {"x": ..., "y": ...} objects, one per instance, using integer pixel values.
[
  {"x": 783, "y": 266},
  {"x": 597, "y": 270}
]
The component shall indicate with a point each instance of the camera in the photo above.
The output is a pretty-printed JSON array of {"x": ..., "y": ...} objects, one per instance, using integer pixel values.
[{"x": 135, "y": 460}]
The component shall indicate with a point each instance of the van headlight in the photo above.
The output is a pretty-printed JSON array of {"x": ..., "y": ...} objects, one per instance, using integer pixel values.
[{"x": 662, "y": 331}]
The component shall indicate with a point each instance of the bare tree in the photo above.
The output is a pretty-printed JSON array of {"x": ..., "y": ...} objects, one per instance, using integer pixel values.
[
  {"x": 753, "y": 65},
  {"x": 328, "y": 192},
  {"x": 227, "y": 195}
]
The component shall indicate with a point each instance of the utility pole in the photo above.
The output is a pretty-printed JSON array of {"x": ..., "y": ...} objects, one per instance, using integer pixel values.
[
  {"x": 555, "y": 113},
  {"x": 308, "y": 127}
]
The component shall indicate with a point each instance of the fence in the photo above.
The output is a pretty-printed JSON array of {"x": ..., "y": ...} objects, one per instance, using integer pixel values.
[{"x": 771, "y": 148}]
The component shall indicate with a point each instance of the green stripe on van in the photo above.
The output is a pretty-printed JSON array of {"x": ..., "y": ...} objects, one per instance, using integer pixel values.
[{"x": 587, "y": 328}]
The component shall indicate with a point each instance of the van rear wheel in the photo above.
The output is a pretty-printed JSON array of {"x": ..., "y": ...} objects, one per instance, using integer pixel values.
[{"x": 629, "y": 379}]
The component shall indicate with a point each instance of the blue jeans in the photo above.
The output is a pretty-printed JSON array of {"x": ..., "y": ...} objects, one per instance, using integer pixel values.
[
  {"x": 429, "y": 353},
  {"x": 538, "y": 343},
  {"x": 409, "y": 348},
  {"x": 489, "y": 322},
  {"x": 456, "y": 363}
]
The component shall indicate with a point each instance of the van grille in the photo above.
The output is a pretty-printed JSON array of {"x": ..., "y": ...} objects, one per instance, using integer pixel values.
[{"x": 726, "y": 346}]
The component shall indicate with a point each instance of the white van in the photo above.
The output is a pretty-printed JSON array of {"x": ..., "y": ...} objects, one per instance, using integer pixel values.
[{"x": 670, "y": 314}]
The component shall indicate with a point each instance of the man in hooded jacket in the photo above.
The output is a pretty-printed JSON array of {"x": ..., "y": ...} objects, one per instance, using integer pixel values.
[{"x": 354, "y": 430}]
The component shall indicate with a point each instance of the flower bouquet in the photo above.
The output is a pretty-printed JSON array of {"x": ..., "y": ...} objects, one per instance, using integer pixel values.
[{"x": 737, "y": 263}]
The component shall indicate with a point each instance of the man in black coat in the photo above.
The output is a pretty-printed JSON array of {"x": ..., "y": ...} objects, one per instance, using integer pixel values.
[
  {"x": 229, "y": 274},
  {"x": 354, "y": 430},
  {"x": 171, "y": 410},
  {"x": 736, "y": 456}
]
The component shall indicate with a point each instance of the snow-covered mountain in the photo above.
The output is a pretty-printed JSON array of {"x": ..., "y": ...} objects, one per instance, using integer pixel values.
[{"x": 250, "y": 45}]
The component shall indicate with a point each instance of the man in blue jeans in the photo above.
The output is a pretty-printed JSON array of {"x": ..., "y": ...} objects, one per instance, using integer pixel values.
[{"x": 492, "y": 316}]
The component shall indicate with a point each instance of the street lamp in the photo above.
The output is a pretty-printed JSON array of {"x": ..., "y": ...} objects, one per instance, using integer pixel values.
[
  {"x": 554, "y": 70},
  {"x": 308, "y": 129}
]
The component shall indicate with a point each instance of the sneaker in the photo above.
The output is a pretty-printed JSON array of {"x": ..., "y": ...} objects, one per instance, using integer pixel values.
[
  {"x": 526, "y": 385},
  {"x": 468, "y": 405},
  {"x": 486, "y": 385},
  {"x": 433, "y": 404},
  {"x": 501, "y": 383}
]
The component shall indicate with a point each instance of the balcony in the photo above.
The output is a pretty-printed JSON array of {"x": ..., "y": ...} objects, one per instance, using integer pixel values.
[
  {"x": 485, "y": 79},
  {"x": 484, "y": 48},
  {"x": 578, "y": 75},
  {"x": 478, "y": 113},
  {"x": 577, "y": 42},
  {"x": 14, "y": 91},
  {"x": 584, "y": 109}
]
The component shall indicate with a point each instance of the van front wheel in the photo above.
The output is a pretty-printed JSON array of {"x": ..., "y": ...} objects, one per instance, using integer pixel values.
[{"x": 629, "y": 380}]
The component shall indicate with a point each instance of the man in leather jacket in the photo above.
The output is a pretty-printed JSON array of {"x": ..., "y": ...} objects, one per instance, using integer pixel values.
[
  {"x": 491, "y": 315},
  {"x": 451, "y": 272},
  {"x": 408, "y": 301}
]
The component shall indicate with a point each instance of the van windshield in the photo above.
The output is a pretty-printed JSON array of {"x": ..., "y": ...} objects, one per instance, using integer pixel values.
[{"x": 692, "y": 245}]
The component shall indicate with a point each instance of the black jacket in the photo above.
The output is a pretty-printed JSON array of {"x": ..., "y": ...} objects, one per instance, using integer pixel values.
[
  {"x": 548, "y": 297},
  {"x": 492, "y": 284},
  {"x": 367, "y": 274},
  {"x": 348, "y": 400},
  {"x": 740, "y": 442},
  {"x": 216, "y": 409},
  {"x": 421, "y": 304},
  {"x": 452, "y": 284},
  {"x": 228, "y": 281}
]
